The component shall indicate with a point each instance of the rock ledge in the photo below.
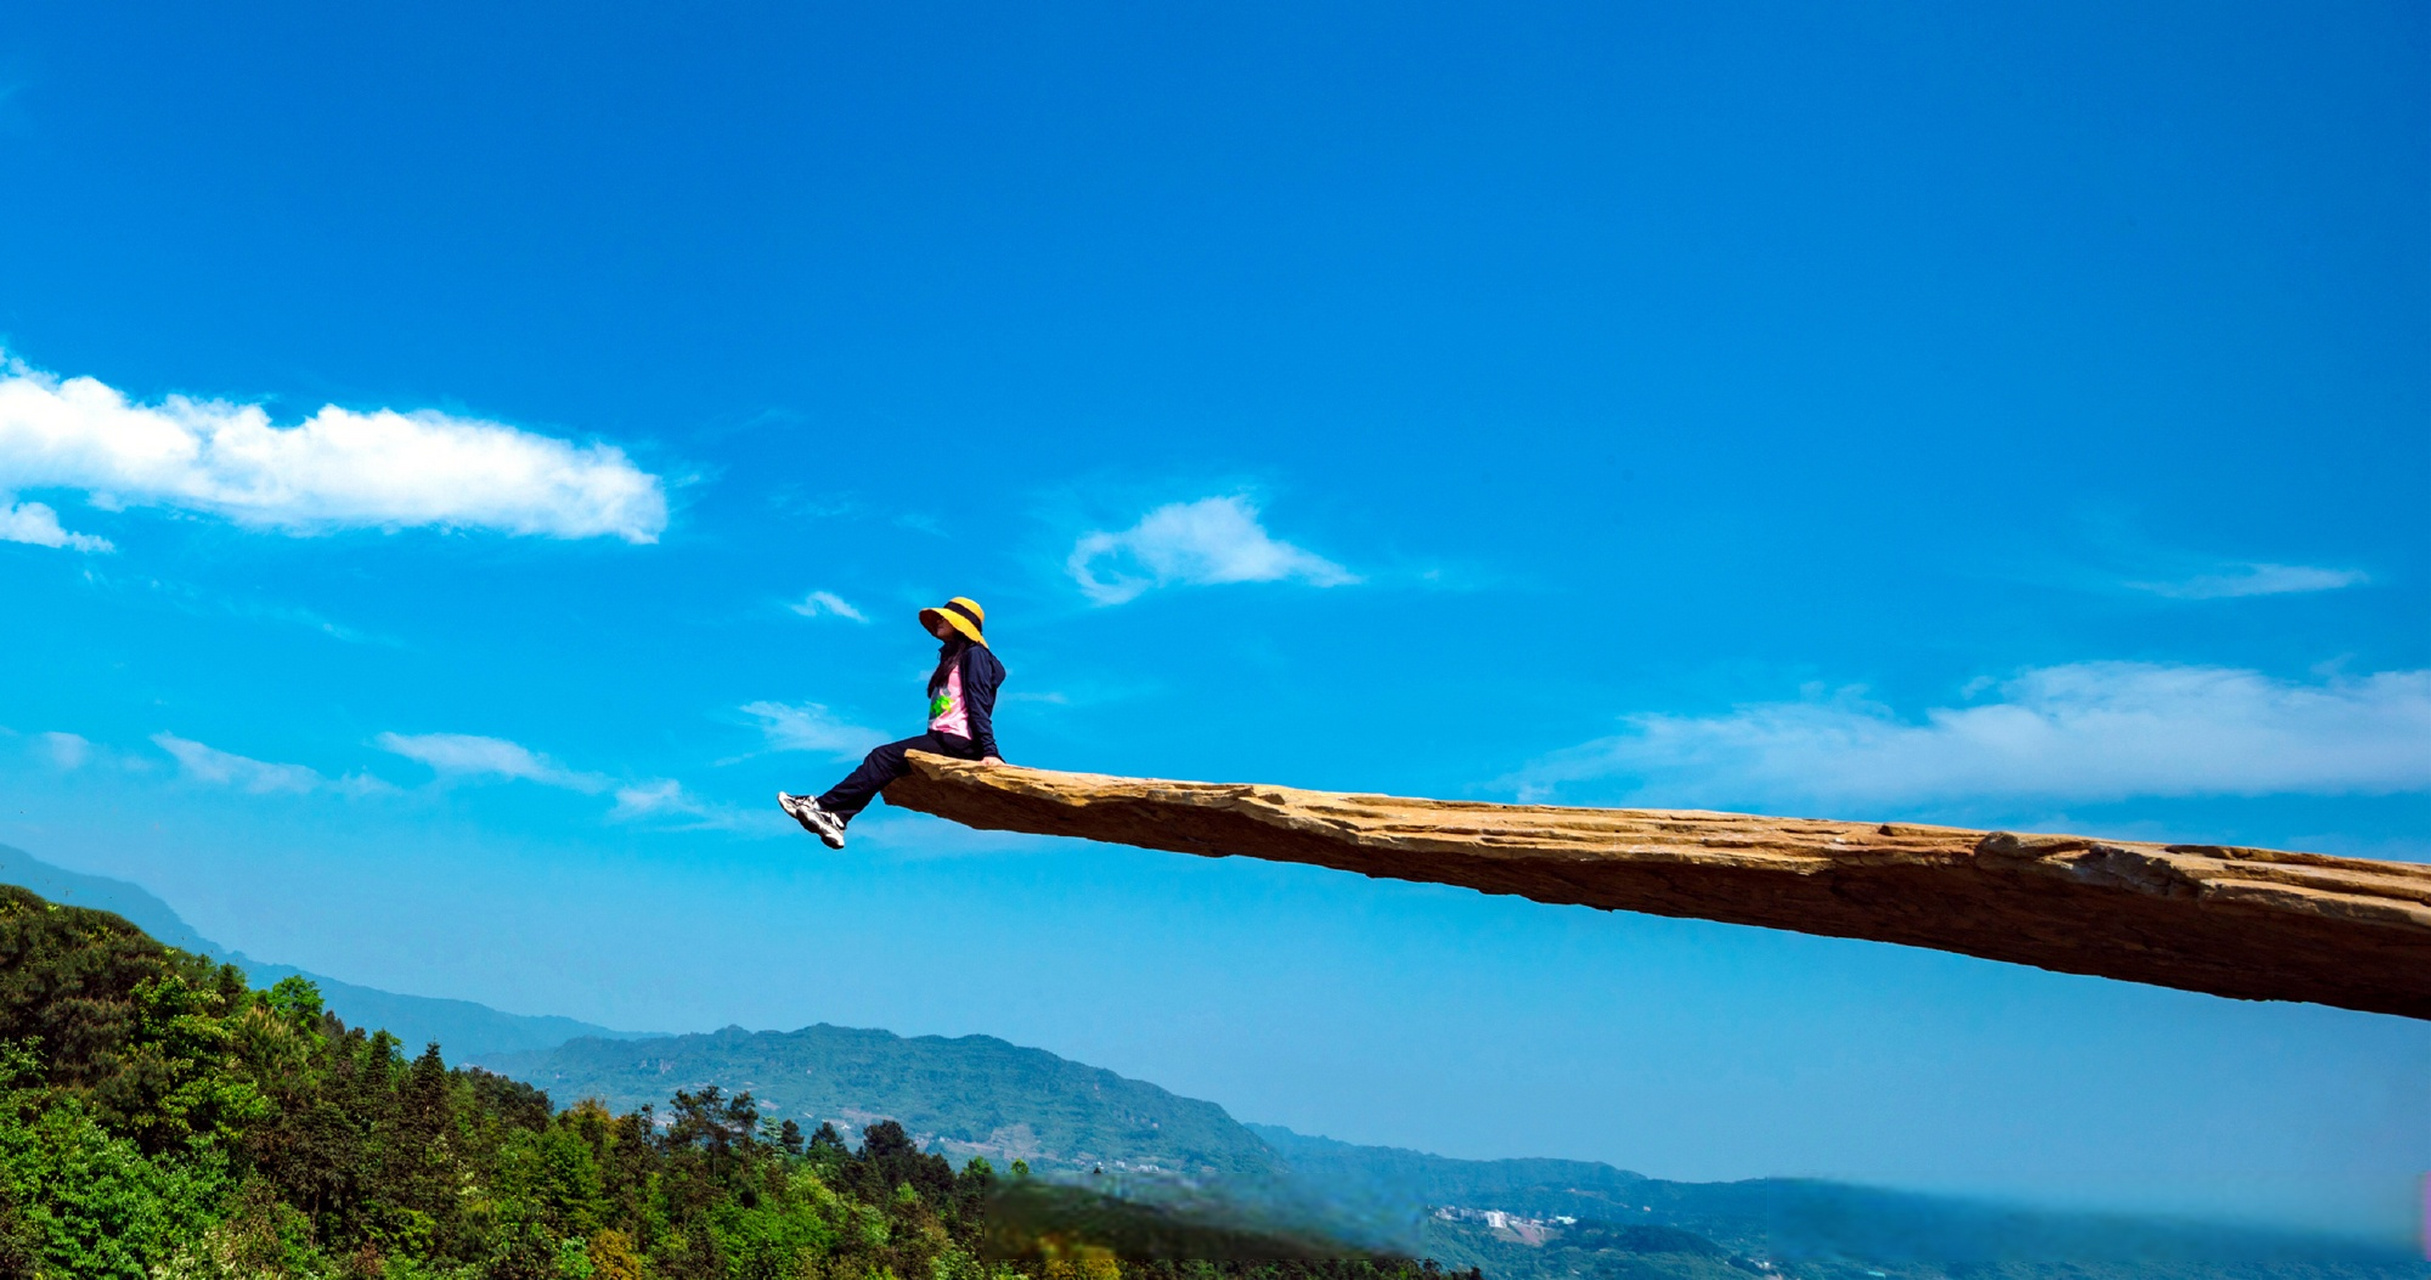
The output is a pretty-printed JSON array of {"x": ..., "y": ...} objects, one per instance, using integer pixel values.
[{"x": 2255, "y": 924}]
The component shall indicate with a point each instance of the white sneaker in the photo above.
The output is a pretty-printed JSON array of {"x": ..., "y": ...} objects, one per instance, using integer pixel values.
[{"x": 815, "y": 820}]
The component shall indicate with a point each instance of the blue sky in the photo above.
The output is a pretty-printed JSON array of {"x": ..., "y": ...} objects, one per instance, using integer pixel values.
[{"x": 460, "y": 464}]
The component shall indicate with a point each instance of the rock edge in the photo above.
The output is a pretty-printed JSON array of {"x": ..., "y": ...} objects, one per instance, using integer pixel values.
[{"x": 2253, "y": 924}]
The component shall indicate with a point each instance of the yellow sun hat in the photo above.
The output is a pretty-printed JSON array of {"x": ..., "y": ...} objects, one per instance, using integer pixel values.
[{"x": 962, "y": 614}]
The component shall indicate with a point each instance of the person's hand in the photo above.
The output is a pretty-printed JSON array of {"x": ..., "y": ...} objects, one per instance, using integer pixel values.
[{"x": 992, "y": 760}]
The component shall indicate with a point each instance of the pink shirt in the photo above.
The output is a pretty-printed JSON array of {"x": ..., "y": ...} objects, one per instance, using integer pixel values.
[{"x": 947, "y": 714}]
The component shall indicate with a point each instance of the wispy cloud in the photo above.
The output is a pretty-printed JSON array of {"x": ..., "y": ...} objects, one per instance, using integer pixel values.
[
  {"x": 666, "y": 799},
  {"x": 465, "y": 755},
  {"x": 1213, "y": 540},
  {"x": 2089, "y": 732},
  {"x": 2254, "y": 580},
  {"x": 664, "y": 795},
  {"x": 455, "y": 756},
  {"x": 2113, "y": 554},
  {"x": 338, "y": 469},
  {"x": 826, "y": 604},
  {"x": 199, "y": 763},
  {"x": 71, "y": 752},
  {"x": 212, "y": 601},
  {"x": 811, "y": 727},
  {"x": 37, "y": 523},
  {"x": 66, "y": 750}
]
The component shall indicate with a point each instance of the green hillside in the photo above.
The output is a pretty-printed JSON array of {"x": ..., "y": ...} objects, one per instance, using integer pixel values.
[
  {"x": 162, "y": 1120},
  {"x": 970, "y": 1096}
]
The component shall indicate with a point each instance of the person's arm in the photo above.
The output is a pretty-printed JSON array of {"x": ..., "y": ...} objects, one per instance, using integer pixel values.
[{"x": 979, "y": 680}]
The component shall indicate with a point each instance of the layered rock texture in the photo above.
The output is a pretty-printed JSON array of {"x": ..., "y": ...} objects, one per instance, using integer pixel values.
[{"x": 2255, "y": 924}]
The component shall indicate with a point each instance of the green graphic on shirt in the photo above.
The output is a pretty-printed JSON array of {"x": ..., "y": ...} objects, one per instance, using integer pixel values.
[{"x": 940, "y": 704}]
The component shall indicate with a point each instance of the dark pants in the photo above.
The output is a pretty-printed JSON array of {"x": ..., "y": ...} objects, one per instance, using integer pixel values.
[{"x": 884, "y": 765}]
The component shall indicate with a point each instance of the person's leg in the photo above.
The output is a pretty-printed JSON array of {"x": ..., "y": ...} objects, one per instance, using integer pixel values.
[
  {"x": 952, "y": 744},
  {"x": 878, "y": 768}
]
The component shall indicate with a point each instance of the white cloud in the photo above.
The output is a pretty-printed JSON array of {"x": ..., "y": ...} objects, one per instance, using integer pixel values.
[
  {"x": 828, "y": 604},
  {"x": 1213, "y": 540},
  {"x": 2255, "y": 580},
  {"x": 226, "y": 768},
  {"x": 812, "y": 727},
  {"x": 338, "y": 469},
  {"x": 66, "y": 750},
  {"x": 465, "y": 755},
  {"x": 36, "y": 523},
  {"x": 2086, "y": 732},
  {"x": 665, "y": 798},
  {"x": 73, "y": 752},
  {"x": 657, "y": 796}
]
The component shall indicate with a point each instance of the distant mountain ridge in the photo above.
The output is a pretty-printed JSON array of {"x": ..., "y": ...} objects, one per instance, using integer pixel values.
[
  {"x": 978, "y": 1095},
  {"x": 968, "y": 1096},
  {"x": 1397, "y": 1195},
  {"x": 1389, "y": 1189},
  {"x": 461, "y": 1026}
]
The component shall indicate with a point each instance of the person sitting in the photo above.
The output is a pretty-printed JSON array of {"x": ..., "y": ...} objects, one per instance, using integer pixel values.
[{"x": 962, "y": 708}]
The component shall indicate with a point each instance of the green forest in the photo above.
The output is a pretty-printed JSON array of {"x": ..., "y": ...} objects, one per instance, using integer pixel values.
[{"x": 162, "y": 1118}]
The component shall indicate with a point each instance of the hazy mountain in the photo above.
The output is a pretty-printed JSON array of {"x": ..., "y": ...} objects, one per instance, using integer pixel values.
[
  {"x": 1635, "y": 1251},
  {"x": 977, "y": 1095},
  {"x": 75, "y": 889},
  {"x": 973, "y": 1095},
  {"x": 1436, "y": 1206},
  {"x": 1390, "y": 1189},
  {"x": 461, "y": 1027}
]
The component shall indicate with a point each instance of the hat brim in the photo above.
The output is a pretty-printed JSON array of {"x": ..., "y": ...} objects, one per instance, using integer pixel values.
[{"x": 928, "y": 622}]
